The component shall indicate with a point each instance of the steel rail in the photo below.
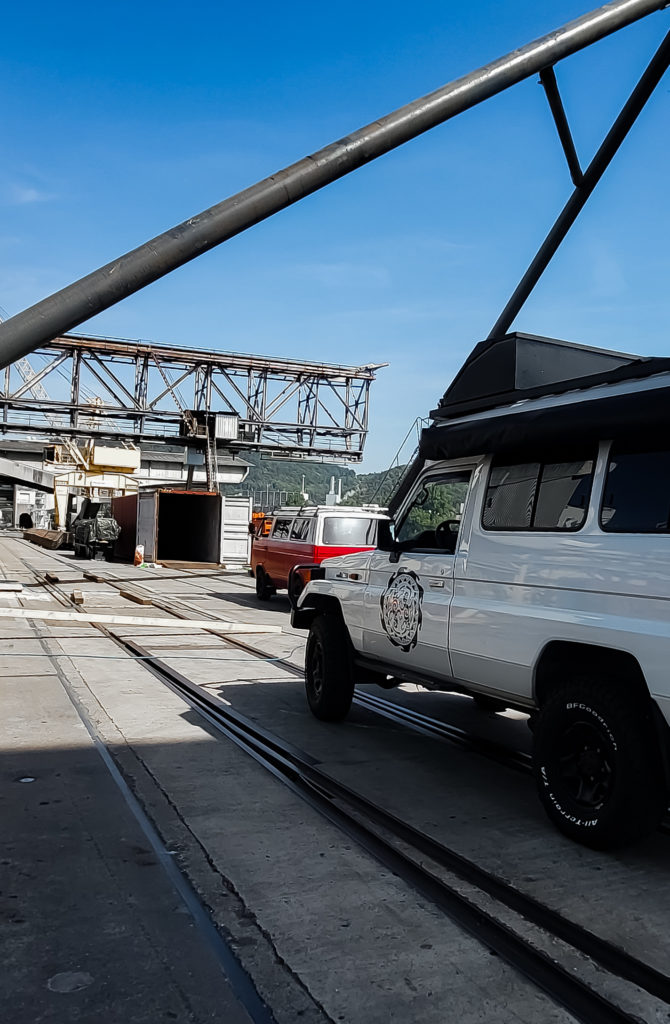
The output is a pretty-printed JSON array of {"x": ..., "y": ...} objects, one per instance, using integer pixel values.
[
  {"x": 299, "y": 770},
  {"x": 108, "y": 285}
]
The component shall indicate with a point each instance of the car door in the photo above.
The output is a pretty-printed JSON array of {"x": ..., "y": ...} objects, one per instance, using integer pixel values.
[{"x": 409, "y": 588}]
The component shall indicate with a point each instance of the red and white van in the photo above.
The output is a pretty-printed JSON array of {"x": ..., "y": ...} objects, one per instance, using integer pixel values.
[{"x": 305, "y": 536}]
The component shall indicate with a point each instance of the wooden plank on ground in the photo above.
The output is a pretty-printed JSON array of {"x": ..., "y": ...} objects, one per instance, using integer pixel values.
[
  {"x": 136, "y": 596},
  {"x": 132, "y": 620}
]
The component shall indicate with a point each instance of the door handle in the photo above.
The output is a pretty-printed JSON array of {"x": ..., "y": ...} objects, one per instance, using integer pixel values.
[{"x": 436, "y": 583}]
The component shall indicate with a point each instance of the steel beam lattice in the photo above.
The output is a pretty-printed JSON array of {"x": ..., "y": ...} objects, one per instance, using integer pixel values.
[{"x": 147, "y": 391}]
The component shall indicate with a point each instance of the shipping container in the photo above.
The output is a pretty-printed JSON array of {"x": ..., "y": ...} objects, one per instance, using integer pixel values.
[
  {"x": 184, "y": 526},
  {"x": 179, "y": 526}
]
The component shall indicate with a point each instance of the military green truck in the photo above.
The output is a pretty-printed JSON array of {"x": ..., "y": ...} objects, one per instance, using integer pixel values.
[{"x": 94, "y": 531}]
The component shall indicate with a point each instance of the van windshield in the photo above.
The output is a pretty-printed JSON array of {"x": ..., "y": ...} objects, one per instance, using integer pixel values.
[{"x": 339, "y": 531}]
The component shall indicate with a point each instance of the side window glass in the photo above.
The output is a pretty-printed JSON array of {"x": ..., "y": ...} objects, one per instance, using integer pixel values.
[
  {"x": 433, "y": 520},
  {"x": 563, "y": 495},
  {"x": 636, "y": 496},
  {"x": 300, "y": 529},
  {"x": 536, "y": 496},
  {"x": 281, "y": 529},
  {"x": 510, "y": 497}
]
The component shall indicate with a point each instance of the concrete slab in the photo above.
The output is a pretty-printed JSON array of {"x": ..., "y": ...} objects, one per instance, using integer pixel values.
[{"x": 90, "y": 927}]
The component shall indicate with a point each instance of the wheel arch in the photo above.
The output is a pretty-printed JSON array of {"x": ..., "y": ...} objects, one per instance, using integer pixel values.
[
  {"x": 559, "y": 656},
  {"x": 314, "y": 605}
]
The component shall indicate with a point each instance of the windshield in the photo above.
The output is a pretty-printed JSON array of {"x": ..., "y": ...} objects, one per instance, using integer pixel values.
[{"x": 339, "y": 531}]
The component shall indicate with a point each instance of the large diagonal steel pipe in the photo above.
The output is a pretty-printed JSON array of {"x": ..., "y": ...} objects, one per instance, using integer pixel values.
[{"x": 97, "y": 291}]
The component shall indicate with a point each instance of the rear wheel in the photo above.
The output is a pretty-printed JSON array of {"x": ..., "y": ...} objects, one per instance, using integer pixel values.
[
  {"x": 597, "y": 763},
  {"x": 329, "y": 679},
  {"x": 264, "y": 588}
]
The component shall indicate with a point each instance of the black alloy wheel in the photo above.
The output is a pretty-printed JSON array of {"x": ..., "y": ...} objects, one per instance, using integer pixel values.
[{"x": 597, "y": 762}]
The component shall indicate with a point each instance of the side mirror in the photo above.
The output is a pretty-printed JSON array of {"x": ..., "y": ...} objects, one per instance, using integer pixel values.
[{"x": 385, "y": 541}]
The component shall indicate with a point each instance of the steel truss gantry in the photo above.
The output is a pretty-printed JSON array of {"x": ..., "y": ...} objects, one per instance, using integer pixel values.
[{"x": 148, "y": 391}]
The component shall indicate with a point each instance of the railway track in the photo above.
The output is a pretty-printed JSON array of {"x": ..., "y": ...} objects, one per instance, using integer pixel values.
[{"x": 403, "y": 849}]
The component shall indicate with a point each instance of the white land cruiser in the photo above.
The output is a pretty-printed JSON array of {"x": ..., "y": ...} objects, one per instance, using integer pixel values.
[{"x": 527, "y": 563}]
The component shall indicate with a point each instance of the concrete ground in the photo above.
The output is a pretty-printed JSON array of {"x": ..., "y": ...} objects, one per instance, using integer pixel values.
[{"x": 321, "y": 930}]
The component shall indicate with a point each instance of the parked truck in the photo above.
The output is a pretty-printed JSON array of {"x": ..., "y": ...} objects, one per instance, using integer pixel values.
[{"x": 527, "y": 564}]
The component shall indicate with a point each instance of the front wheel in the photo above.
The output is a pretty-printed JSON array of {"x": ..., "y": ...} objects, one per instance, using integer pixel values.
[
  {"x": 598, "y": 765},
  {"x": 329, "y": 679}
]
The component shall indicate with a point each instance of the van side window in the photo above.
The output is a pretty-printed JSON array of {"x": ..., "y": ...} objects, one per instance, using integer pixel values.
[
  {"x": 510, "y": 497},
  {"x": 538, "y": 496},
  {"x": 300, "y": 529},
  {"x": 281, "y": 529},
  {"x": 636, "y": 496}
]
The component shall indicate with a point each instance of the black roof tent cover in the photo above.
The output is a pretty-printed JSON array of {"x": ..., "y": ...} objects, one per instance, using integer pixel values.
[
  {"x": 505, "y": 370},
  {"x": 523, "y": 366}
]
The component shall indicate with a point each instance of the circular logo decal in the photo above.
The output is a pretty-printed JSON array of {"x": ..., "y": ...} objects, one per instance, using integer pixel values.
[{"x": 401, "y": 609}]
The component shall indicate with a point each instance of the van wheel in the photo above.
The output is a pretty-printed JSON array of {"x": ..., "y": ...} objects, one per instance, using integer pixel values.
[
  {"x": 264, "y": 588},
  {"x": 329, "y": 679},
  {"x": 597, "y": 764}
]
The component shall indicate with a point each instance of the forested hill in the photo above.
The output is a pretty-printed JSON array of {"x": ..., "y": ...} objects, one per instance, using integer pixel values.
[
  {"x": 374, "y": 487},
  {"x": 285, "y": 477}
]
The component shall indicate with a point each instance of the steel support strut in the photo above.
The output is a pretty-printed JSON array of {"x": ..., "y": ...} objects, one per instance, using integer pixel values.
[
  {"x": 548, "y": 80},
  {"x": 590, "y": 178},
  {"x": 129, "y": 273}
]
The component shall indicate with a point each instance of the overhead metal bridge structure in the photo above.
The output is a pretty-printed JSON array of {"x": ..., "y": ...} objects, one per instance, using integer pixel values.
[{"x": 145, "y": 391}]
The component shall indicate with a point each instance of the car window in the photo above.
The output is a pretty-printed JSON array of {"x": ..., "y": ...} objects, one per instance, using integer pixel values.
[
  {"x": 349, "y": 532},
  {"x": 281, "y": 529},
  {"x": 433, "y": 519},
  {"x": 538, "y": 496},
  {"x": 636, "y": 496},
  {"x": 300, "y": 529},
  {"x": 563, "y": 496}
]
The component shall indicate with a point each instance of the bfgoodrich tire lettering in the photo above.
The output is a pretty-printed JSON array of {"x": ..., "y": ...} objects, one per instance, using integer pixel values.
[
  {"x": 329, "y": 680},
  {"x": 597, "y": 763}
]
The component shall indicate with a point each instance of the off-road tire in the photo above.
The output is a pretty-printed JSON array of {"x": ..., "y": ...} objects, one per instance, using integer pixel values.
[
  {"x": 329, "y": 677},
  {"x": 264, "y": 588},
  {"x": 597, "y": 763}
]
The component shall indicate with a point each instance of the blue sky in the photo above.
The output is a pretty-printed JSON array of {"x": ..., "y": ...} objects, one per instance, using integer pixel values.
[{"x": 122, "y": 120}]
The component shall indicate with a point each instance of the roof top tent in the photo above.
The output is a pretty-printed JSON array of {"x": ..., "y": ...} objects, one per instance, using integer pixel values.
[
  {"x": 179, "y": 526},
  {"x": 523, "y": 392}
]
